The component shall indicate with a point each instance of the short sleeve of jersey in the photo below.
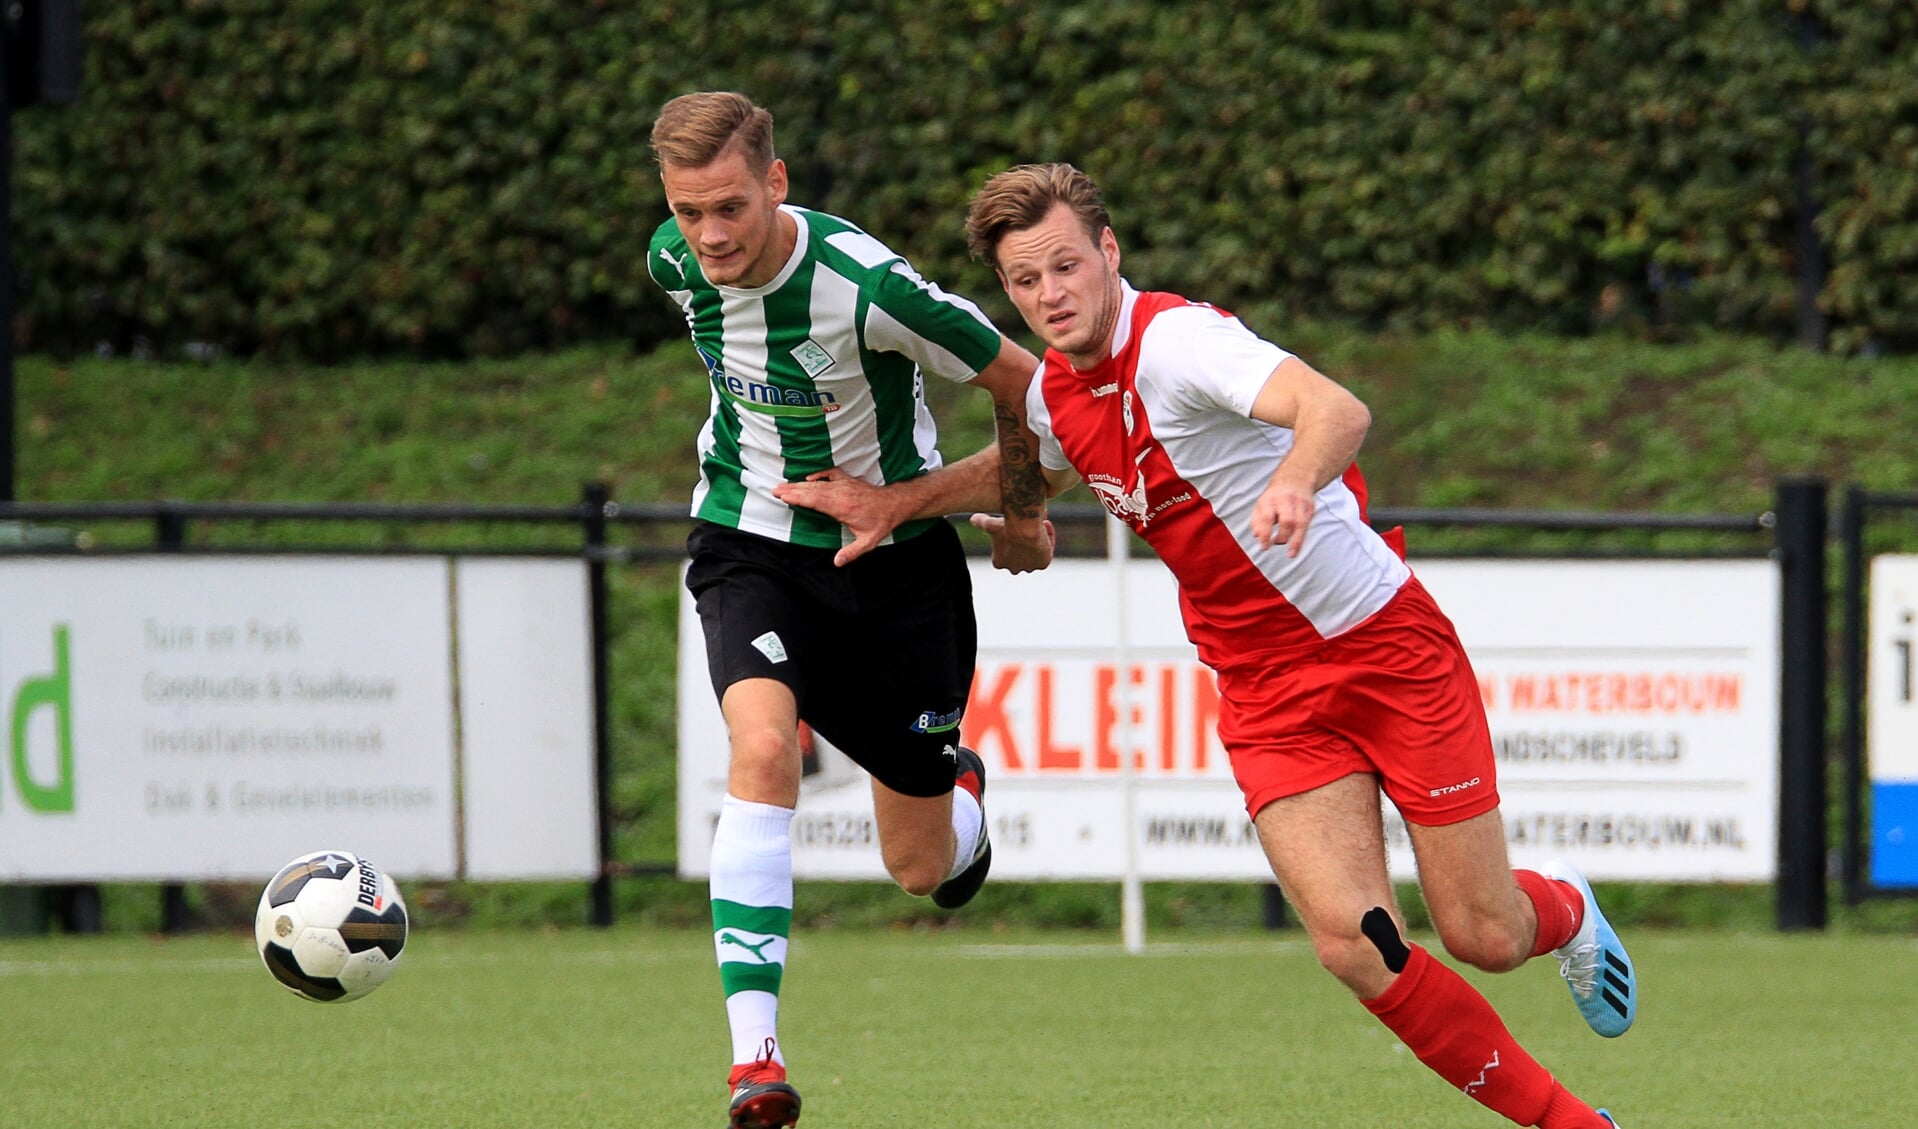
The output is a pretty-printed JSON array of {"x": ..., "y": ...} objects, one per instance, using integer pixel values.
[
  {"x": 668, "y": 259},
  {"x": 1212, "y": 358},
  {"x": 943, "y": 333}
]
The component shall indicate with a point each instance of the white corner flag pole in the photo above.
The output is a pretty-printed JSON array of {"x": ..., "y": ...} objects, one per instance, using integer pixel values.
[{"x": 1131, "y": 895}]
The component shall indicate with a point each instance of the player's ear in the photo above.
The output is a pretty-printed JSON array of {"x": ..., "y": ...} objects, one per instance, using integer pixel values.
[
  {"x": 1109, "y": 247},
  {"x": 776, "y": 181}
]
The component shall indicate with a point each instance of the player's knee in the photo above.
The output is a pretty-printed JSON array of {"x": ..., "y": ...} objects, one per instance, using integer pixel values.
[
  {"x": 918, "y": 877},
  {"x": 1349, "y": 955},
  {"x": 765, "y": 761},
  {"x": 1490, "y": 942},
  {"x": 763, "y": 745}
]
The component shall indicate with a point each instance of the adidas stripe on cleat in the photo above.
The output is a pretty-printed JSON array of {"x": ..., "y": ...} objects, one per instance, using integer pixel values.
[
  {"x": 1594, "y": 962},
  {"x": 969, "y": 772}
]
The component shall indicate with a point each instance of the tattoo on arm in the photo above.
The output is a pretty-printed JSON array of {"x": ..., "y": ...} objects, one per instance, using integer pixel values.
[{"x": 1022, "y": 487}]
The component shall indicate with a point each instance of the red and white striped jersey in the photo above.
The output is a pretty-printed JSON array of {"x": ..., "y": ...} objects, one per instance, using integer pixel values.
[{"x": 1162, "y": 433}]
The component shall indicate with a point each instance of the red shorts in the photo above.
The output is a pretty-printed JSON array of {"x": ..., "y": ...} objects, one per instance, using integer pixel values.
[{"x": 1395, "y": 697}]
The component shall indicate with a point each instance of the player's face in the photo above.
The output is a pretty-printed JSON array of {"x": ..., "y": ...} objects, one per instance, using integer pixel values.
[
  {"x": 1065, "y": 284},
  {"x": 730, "y": 217}
]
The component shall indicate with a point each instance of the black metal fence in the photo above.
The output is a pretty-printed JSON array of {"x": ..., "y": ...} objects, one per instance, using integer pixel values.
[
  {"x": 1867, "y": 521},
  {"x": 604, "y": 531}
]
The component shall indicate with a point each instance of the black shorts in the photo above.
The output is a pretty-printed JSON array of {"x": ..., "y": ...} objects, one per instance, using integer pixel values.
[{"x": 879, "y": 653}]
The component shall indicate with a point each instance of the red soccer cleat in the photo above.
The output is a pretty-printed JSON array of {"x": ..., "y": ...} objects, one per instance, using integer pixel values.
[{"x": 762, "y": 1098}]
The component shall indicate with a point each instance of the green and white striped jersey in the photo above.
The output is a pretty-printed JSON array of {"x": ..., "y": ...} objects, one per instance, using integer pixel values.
[{"x": 820, "y": 367}]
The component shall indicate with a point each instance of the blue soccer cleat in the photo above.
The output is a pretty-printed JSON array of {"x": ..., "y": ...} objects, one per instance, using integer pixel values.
[
  {"x": 1604, "y": 982},
  {"x": 1607, "y": 1115}
]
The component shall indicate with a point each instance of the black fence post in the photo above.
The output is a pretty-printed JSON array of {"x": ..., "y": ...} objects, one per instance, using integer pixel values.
[
  {"x": 169, "y": 536},
  {"x": 1851, "y": 534},
  {"x": 596, "y": 504},
  {"x": 8, "y": 462},
  {"x": 1274, "y": 908},
  {"x": 1802, "y": 847}
]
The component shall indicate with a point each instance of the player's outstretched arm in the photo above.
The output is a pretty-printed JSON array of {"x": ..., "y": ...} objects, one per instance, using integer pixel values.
[
  {"x": 873, "y": 512},
  {"x": 1328, "y": 424}
]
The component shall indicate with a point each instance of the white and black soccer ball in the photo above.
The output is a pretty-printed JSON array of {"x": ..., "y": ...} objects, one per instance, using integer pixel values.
[{"x": 330, "y": 926}]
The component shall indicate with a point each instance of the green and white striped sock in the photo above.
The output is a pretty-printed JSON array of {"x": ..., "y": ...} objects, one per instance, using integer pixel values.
[{"x": 752, "y": 897}]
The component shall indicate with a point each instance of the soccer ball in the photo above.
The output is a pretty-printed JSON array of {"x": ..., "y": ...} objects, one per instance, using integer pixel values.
[{"x": 330, "y": 926}]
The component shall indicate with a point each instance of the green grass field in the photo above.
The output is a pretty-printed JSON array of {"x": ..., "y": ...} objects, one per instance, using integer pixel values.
[{"x": 900, "y": 1028}]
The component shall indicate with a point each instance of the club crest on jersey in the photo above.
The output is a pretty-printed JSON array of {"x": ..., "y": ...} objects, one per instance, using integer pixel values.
[{"x": 812, "y": 357}]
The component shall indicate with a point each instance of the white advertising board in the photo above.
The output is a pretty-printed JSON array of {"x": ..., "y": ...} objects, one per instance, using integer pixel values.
[
  {"x": 1633, "y": 707},
  {"x": 212, "y": 717},
  {"x": 1891, "y": 718},
  {"x": 526, "y": 718}
]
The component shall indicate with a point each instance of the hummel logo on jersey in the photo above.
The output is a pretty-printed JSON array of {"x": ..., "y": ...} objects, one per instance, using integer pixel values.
[
  {"x": 1104, "y": 389},
  {"x": 770, "y": 646},
  {"x": 678, "y": 264}
]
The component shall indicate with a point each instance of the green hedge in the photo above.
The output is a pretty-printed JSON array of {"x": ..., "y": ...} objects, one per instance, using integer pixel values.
[{"x": 306, "y": 177}]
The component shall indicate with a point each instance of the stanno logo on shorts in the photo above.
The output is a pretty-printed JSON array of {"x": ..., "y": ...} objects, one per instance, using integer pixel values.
[{"x": 1460, "y": 787}]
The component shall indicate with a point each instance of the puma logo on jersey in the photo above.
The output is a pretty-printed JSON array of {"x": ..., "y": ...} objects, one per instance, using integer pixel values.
[{"x": 678, "y": 264}]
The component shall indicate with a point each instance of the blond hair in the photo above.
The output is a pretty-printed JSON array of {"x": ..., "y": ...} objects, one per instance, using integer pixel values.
[
  {"x": 1021, "y": 197},
  {"x": 694, "y": 130}
]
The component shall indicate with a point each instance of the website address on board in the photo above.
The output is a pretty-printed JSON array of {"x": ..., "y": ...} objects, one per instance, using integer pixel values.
[
  {"x": 1555, "y": 830},
  {"x": 1625, "y": 831},
  {"x": 1612, "y": 831}
]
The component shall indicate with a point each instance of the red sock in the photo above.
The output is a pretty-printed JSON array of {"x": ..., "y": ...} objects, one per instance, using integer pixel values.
[
  {"x": 1561, "y": 909},
  {"x": 1453, "y": 1030}
]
